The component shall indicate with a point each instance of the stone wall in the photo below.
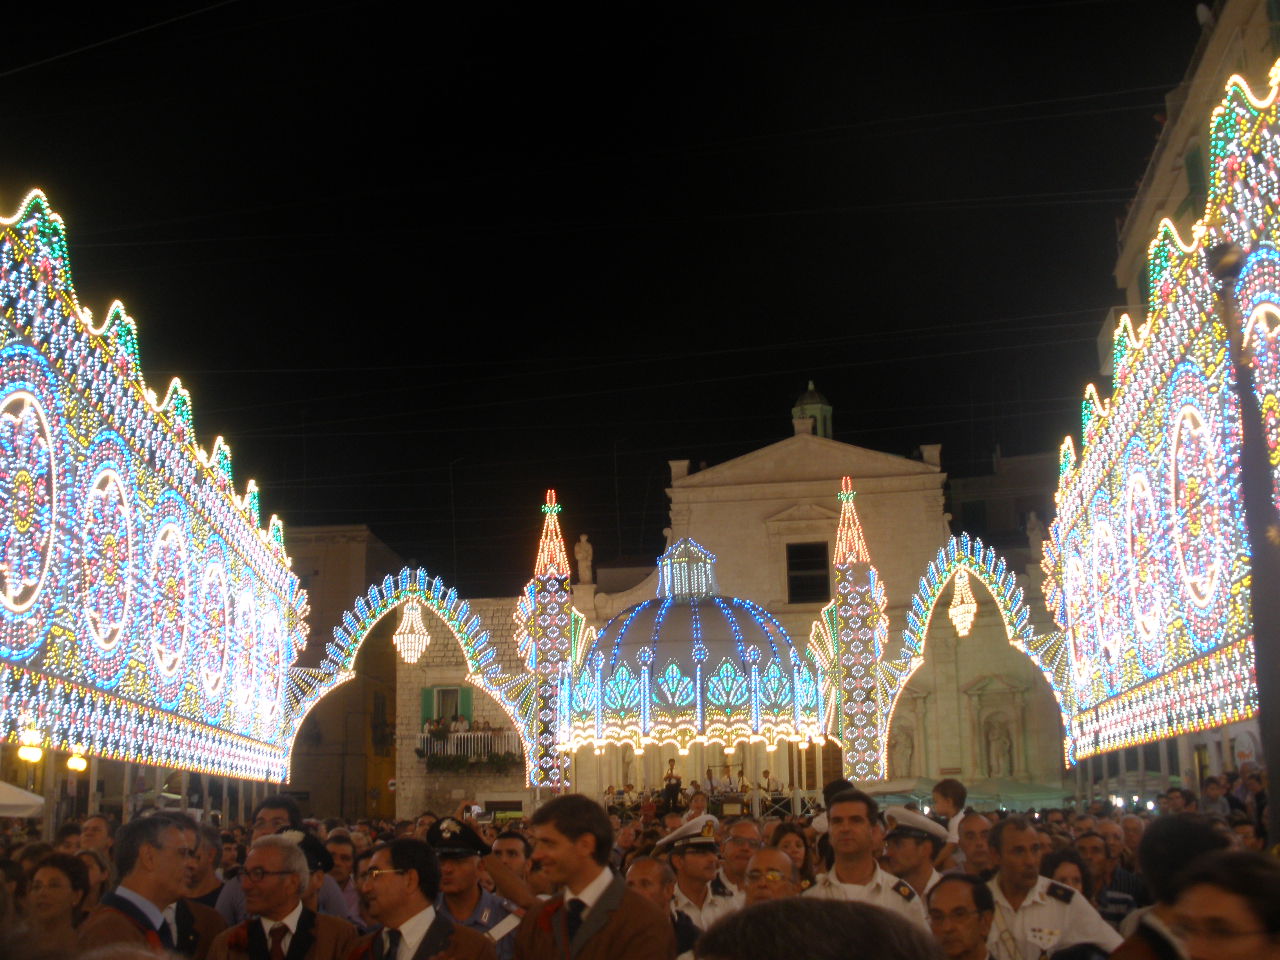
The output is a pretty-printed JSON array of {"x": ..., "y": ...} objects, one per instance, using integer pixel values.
[{"x": 443, "y": 664}]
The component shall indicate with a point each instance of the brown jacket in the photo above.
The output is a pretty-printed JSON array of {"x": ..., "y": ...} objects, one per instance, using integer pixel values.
[
  {"x": 318, "y": 937},
  {"x": 621, "y": 926},
  {"x": 117, "y": 920},
  {"x": 445, "y": 940}
]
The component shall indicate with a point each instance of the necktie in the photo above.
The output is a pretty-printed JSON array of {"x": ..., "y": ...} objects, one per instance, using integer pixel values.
[
  {"x": 393, "y": 944},
  {"x": 166, "y": 935},
  {"x": 574, "y": 918},
  {"x": 277, "y": 935}
]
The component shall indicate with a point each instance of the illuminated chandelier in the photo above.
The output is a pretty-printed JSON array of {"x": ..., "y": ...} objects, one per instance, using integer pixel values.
[
  {"x": 963, "y": 607},
  {"x": 411, "y": 637}
]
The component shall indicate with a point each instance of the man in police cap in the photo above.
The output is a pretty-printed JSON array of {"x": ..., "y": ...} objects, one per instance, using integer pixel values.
[
  {"x": 912, "y": 842},
  {"x": 462, "y": 900},
  {"x": 695, "y": 858}
]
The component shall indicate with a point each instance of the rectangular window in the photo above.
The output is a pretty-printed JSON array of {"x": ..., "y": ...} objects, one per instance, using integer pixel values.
[
  {"x": 446, "y": 702},
  {"x": 808, "y": 573}
]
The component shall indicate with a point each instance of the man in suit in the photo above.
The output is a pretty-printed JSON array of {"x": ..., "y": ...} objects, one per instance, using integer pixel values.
[
  {"x": 401, "y": 885},
  {"x": 151, "y": 859},
  {"x": 194, "y": 923},
  {"x": 595, "y": 916},
  {"x": 281, "y": 927}
]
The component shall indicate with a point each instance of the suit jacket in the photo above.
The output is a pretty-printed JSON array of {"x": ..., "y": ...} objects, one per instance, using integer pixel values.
[
  {"x": 197, "y": 927},
  {"x": 117, "y": 920},
  {"x": 445, "y": 940},
  {"x": 318, "y": 937},
  {"x": 621, "y": 926}
]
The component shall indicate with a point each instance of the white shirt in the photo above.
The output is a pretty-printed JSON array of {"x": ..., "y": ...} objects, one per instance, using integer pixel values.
[
  {"x": 412, "y": 932},
  {"x": 712, "y": 909},
  {"x": 592, "y": 892},
  {"x": 736, "y": 893},
  {"x": 883, "y": 890},
  {"x": 1052, "y": 916},
  {"x": 290, "y": 921}
]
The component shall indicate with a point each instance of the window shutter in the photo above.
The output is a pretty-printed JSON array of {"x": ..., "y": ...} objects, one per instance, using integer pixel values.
[
  {"x": 428, "y": 704},
  {"x": 464, "y": 702}
]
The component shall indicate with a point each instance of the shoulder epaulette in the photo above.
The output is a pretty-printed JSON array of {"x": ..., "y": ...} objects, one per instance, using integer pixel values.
[
  {"x": 903, "y": 889},
  {"x": 1060, "y": 891}
]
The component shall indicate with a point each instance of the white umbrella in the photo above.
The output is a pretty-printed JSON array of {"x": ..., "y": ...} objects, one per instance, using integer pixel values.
[{"x": 16, "y": 802}]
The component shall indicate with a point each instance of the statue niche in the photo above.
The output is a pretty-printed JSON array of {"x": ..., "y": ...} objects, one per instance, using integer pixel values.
[
  {"x": 999, "y": 746},
  {"x": 902, "y": 749}
]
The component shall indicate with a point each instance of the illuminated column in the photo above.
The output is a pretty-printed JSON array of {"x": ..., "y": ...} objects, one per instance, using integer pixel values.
[
  {"x": 847, "y": 641},
  {"x": 543, "y": 638}
]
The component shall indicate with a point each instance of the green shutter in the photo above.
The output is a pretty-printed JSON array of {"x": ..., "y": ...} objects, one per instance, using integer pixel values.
[
  {"x": 428, "y": 704},
  {"x": 464, "y": 702},
  {"x": 1197, "y": 189}
]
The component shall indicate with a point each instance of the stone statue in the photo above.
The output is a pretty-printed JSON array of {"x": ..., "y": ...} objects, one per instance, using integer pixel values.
[
  {"x": 999, "y": 749},
  {"x": 582, "y": 552},
  {"x": 902, "y": 748},
  {"x": 1036, "y": 535}
]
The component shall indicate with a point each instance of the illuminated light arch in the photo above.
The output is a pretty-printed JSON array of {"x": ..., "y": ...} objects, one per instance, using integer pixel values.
[
  {"x": 511, "y": 687},
  {"x": 1048, "y": 652}
]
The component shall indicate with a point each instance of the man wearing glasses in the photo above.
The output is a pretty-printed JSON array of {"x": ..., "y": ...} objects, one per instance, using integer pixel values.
[
  {"x": 151, "y": 859},
  {"x": 960, "y": 911},
  {"x": 401, "y": 885},
  {"x": 771, "y": 875},
  {"x": 740, "y": 842},
  {"x": 274, "y": 877}
]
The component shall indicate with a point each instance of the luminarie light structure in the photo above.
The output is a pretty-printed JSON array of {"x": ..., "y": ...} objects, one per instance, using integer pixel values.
[
  {"x": 145, "y": 612},
  {"x": 1148, "y": 566}
]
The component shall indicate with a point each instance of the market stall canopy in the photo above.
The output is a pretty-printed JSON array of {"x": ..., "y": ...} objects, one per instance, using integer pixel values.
[
  {"x": 1013, "y": 794},
  {"x": 16, "y": 802}
]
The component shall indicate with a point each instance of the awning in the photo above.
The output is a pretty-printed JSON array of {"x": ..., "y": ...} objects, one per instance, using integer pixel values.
[{"x": 16, "y": 802}]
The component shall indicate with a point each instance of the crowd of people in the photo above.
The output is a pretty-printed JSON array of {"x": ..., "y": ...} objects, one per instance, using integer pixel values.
[{"x": 1189, "y": 880}]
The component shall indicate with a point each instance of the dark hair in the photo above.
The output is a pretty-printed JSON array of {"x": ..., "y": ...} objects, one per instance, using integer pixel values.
[
  {"x": 827, "y": 929},
  {"x": 209, "y": 836},
  {"x": 228, "y": 837},
  {"x": 35, "y": 851},
  {"x": 278, "y": 801},
  {"x": 1094, "y": 834},
  {"x": 787, "y": 829},
  {"x": 343, "y": 839},
  {"x": 409, "y": 854},
  {"x": 833, "y": 788},
  {"x": 517, "y": 835},
  {"x": 1052, "y": 861},
  {"x": 995, "y": 839},
  {"x": 574, "y": 815},
  {"x": 107, "y": 822},
  {"x": 73, "y": 869},
  {"x": 1253, "y": 877},
  {"x": 856, "y": 796},
  {"x": 953, "y": 790},
  {"x": 1170, "y": 843},
  {"x": 131, "y": 837},
  {"x": 69, "y": 829},
  {"x": 182, "y": 821},
  {"x": 665, "y": 873},
  {"x": 983, "y": 901}
]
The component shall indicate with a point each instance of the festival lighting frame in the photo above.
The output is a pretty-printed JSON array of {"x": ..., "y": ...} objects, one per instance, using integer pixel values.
[
  {"x": 145, "y": 614},
  {"x": 1149, "y": 562}
]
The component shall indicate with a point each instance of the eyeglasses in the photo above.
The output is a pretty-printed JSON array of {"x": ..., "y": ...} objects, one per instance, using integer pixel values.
[
  {"x": 959, "y": 915},
  {"x": 773, "y": 876},
  {"x": 256, "y": 874},
  {"x": 1212, "y": 930},
  {"x": 370, "y": 875}
]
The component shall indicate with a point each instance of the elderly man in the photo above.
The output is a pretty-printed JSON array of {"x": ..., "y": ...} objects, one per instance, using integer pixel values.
[
  {"x": 654, "y": 881},
  {"x": 960, "y": 914},
  {"x": 462, "y": 900},
  {"x": 741, "y": 840},
  {"x": 695, "y": 859},
  {"x": 274, "y": 878},
  {"x": 771, "y": 875},
  {"x": 1034, "y": 915},
  {"x": 151, "y": 859},
  {"x": 912, "y": 843},
  {"x": 856, "y": 836}
]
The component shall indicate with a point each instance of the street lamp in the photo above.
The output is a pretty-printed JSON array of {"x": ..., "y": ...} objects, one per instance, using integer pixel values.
[
  {"x": 76, "y": 763},
  {"x": 29, "y": 748},
  {"x": 1226, "y": 261}
]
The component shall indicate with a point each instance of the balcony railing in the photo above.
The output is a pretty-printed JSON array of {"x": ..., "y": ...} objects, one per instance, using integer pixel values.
[{"x": 479, "y": 744}]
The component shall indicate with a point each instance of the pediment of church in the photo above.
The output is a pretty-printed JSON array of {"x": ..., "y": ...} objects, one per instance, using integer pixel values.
[
  {"x": 992, "y": 684},
  {"x": 805, "y": 513},
  {"x": 805, "y": 458}
]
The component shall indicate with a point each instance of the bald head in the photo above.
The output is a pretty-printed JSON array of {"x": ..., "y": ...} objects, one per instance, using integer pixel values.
[{"x": 653, "y": 880}]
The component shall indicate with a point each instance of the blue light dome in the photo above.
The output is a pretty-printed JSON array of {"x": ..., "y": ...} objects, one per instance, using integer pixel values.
[{"x": 692, "y": 666}]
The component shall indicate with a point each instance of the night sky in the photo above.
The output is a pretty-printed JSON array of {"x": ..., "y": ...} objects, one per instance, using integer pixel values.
[{"x": 418, "y": 269}]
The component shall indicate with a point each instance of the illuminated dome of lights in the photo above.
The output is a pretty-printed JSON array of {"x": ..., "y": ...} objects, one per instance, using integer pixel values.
[{"x": 691, "y": 666}]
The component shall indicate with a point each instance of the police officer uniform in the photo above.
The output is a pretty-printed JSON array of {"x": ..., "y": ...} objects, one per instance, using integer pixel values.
[
  {"x": 1051, "y": 917},
  {"x": 883, "y": 890},
  {"x": 698, "y": 834},
  {"x": 909, "y": 823},
  {"x": 494, "y": 916}
]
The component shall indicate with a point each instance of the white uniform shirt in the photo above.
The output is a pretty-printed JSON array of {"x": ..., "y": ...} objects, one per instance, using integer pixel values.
[
  {"x": 1052, "y": 916},
  {"x": 712, "y": 909},
  {"x": 883, "y": 890}
]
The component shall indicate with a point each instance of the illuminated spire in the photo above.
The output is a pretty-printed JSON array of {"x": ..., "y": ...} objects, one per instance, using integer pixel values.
[
  {"x": 551, "y": 553},
  {"x": 851, "y": 547}
]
